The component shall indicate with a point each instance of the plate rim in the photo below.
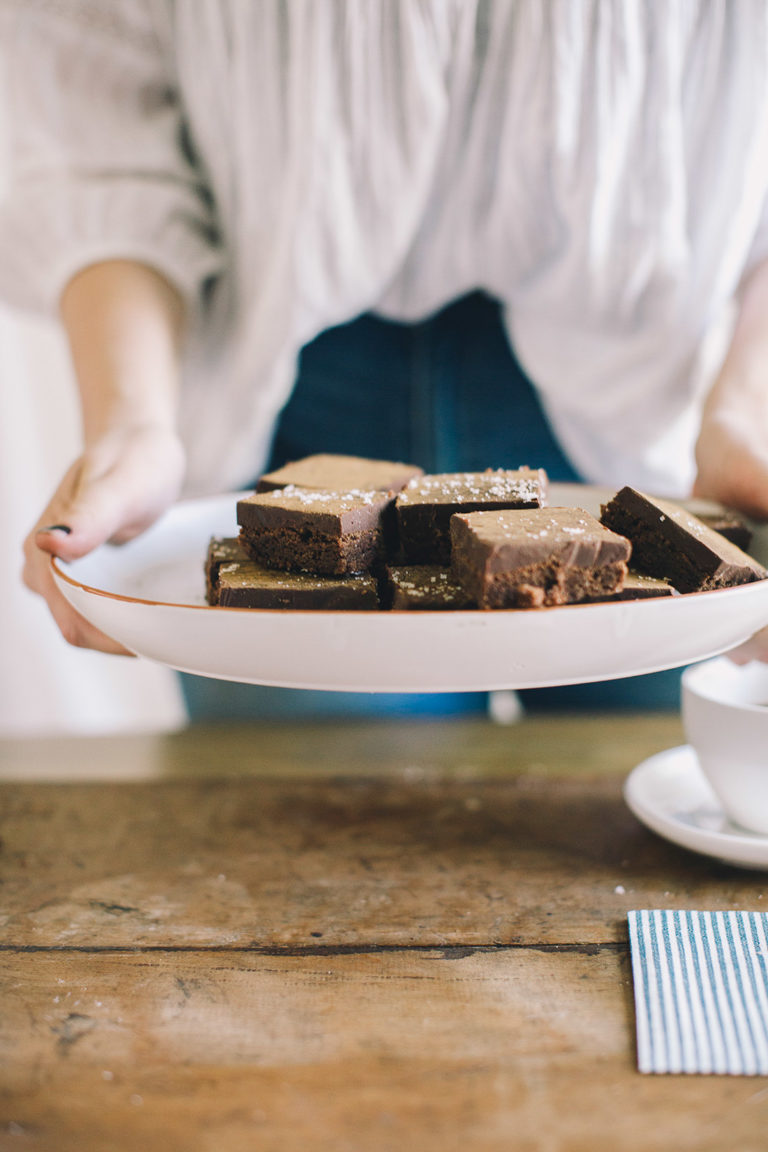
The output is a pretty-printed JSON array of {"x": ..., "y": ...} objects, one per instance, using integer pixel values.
[
  {"x": 62, "y": 573},
  {"x": 59, "y": 570}
]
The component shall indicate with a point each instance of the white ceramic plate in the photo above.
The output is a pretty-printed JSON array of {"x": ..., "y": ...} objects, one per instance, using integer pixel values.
[
  {"x": 150, "y": 596},
  {"x": 670, "y": 794}
]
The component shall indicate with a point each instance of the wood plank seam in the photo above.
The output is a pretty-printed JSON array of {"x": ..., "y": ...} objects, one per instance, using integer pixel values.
[{"x": 447, "y": 952}]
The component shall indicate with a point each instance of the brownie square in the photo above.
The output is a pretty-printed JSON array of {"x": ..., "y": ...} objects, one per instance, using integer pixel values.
[
  {"x": 336, "y": 473},
  {"x": 250, "y": 585},
  {"x": 299, "y": 529},
  {"x": 221, "y": 550},
  {"x": 673, "y": 544},
  {"x": 534, "y": 558},
  {"x": 638, "y": 586},
  {"x": 425, "y": 587},
  {"x": 425, "y": 507}
]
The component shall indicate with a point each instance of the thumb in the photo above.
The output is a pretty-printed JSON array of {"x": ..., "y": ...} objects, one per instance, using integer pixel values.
[
  {"x": 84, "y": 513},
  {"x": 113, "y": 499}
]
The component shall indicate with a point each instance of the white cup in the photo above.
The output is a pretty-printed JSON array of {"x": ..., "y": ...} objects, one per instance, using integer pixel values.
[{"x": 725, "y": 715}]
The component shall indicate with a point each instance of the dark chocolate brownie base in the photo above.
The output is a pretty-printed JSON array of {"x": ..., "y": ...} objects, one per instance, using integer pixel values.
[
  {"x": 673, "y": 544},
  {"x": 329, "y": 533},
  {"x": 425, "y": 587},
  {"x": 536, "y": 558},
  {"x": 305, "y": 550},
  {"x": 547, "y": 585},
  {"x": 221, "y": 550},
  {"x": 424, "y": 508},
  {"x": 249, "y": 585}
]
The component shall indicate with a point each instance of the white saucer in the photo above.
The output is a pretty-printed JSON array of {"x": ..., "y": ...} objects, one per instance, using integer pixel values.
[{"x": 669, "y": 793}]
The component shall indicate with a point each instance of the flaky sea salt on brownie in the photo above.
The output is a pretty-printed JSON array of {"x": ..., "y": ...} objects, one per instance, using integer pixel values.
[
  {"x": 424, "y": 587},
  {"x": 670, "y": 542},
  {"x": 250, "y": 585},
  {"x": 221, "y": 550},
  {"x": 424, "y": 508},
  {"x": 299, "y": 529},
  {"x": 336, "y": 473},
  {"x": 534, "y": 558}
]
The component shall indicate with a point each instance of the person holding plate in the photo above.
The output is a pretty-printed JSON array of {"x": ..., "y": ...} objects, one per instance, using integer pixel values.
[{"x": 462, "y": 234}]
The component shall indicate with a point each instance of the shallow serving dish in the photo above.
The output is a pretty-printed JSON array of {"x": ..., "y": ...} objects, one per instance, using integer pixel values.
[{"x": 150, "y": 596}]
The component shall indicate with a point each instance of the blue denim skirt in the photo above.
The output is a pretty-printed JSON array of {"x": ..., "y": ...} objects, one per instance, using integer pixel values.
[{"x": 448, "y": 394}]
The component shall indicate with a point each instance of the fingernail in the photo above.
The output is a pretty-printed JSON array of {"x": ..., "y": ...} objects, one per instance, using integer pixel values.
[{"x": 56, "y": 528}]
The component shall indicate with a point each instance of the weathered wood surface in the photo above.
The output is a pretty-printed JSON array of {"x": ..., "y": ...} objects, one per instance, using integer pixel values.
[
  {"x": 363, "y": 937},
  {"x": 498, "y": 1050},
  {"x": 265, "y": 863}
]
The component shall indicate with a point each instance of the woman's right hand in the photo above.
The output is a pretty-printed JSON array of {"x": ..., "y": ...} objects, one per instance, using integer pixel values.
[
  {"x": 115, "y": 490},
  {"x": 125, "y": 323}
]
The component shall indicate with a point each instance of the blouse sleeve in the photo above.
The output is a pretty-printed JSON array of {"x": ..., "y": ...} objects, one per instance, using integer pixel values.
[
  {"x": 98, "y": 166},
  {"x": 758, "y": 252}
]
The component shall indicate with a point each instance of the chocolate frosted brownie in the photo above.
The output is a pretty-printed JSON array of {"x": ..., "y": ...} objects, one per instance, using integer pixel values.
[
  {"x": 637, "y": 586},
  {"x": 423, "y": 587},
  {"x": 537, "y": 557},
  {"x": 250, "y": 585},
  {"x": 299, "y": 529},
  {"x": 424, "y": 508},
  {"x": 221, "y": 550},
  {"x": 340, "y": 474},
  {"x": 672, "y": 543}
]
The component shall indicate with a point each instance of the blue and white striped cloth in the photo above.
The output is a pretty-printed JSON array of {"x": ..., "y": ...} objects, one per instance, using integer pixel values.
[{"x": 701, "y": 991}]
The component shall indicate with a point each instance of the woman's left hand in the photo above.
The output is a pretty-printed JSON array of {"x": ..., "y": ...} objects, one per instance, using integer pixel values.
[
  {"x": 732, "y": 447},
  {"x": 732, "y": 450}
]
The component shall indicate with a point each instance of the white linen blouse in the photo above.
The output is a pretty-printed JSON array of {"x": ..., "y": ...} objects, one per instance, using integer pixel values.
[{"x": 600, "y": 166}]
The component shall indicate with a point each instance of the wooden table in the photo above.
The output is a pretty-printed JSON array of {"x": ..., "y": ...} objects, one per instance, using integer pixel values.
[{"x": 384, "y": 936}]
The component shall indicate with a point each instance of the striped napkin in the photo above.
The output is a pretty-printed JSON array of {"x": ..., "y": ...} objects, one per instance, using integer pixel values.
[{"x": 701, "y": 991}]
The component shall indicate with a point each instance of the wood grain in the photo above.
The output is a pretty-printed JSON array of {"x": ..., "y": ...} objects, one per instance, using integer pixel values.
[
  {"x": 494, "y": 1050},
  {"x": 348, "y": 937}
]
